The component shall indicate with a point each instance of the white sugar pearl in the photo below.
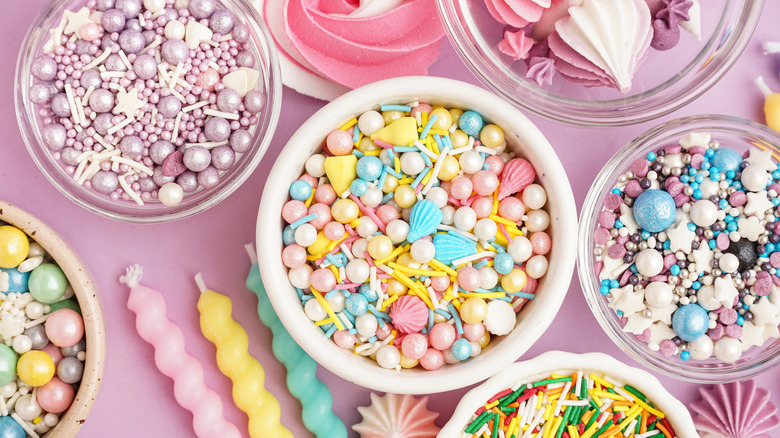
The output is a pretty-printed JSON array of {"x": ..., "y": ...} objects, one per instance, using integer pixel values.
[
  {"x": 397, "y": 230},
  {"x": 34, "y": 310},
  {"x": 485, "y": 229},
  {"x": 366, "y": 228},
  {"x": 357, "y": 271},
  {"x": 412, "y": 163},
  {"x": 704, "y": 213},
  {"x": 728, "y": 263},
  {"x": 536, "y": 266},
  {"x": 174, "y": 30},
  {"x": 423, "y": 251},
  {"x": 534, "y": 197},
  {"x": 315, "y": 165},
  {"x": 154, "y": 5},
  {"x": 305, "y": 235},
  {"x": 372, "y": 198},
  {"x": 314, "y": 310},
  {"x": 476, "y": 349},
  {"x": 728, "y": 350},
  {"x": 701, "y": 348},
  {"x": 385, "y": 159},
  {"x": 520, "y": 249},
  {"x": 465, "y": 218},
  {"x": 448, "y": 357},
  {"x": 370, "y": 122},
  {"x": 336, "y": 302},
  {"x": 8, "y": 389},
  {"x": 537, "y": 220},
  {"x": 388, "y": 356},
  {"x": 36, "y": 250},
  {"x": 754, "y": 178},
  {"x": 299, "y": 277},
  {"x": 359, "y": 248},
  {"x": 27, "y": 408},
  {"x": 51, "y": 420},
  {"x": 170, "y": 194},
  {"x": 366, "y": 325},
  {"x": 438, "y": 196},
  {"x": 649, "y": 262},
  {"x": 658, "y": 295},
  {"x": 500, "y": 318},
  {"x": 489, "y": 277},
  {"x": 706, "y": 298},
  {"x": 21, "y": 344},
  {"x": 471, "y": 161},
  {"x": 448, "y": 215}
]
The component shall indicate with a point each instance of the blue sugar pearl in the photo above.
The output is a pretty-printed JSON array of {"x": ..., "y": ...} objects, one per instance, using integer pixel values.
[
  {"x": 604, "y": 290},
  {"x": 358, "y": 187},
  {"x": 461, "y": 348},
  {"x": 685, "y": 178},
  {"x": 300, "y": 190},
  {"x": 667, "y": 244},
  {"x": 369, "y": 168},
  {"x": 366, "y": 291},
  {"x": 726, "y": 159},
  {"x": 654, "y": 210},
  {"x": 651, "y": 156},
  {"x": 675, "y": 270},
  {"x": 697, "y": 194},
  {"x": 696, "y": 285},
  {"x": 709, "y": 153},
  {"x": 288, "y": 235},
  {"x": 633, "y": 269},
  {"x": 471, "y": 123},
  {"x": 691, "y": 226},
  {"x": 690, "y": 321},
  {"x": 616, "y": 191},
  {"x": 9, "y": 428},
  {"x": 740, "y": 320},
  {"x": 685, "y": 355},
  {"x": 712, "y": 244},
  {"x": 705, "y": 165},
  {"x": 17, "y": 281},
  {"x": 619, "y": 312},
  {"x": 356, "y": 304},
  {"x": 723, "y": 204},
  {"x": 619, "y": 224},
  {"x": 730, "y": 174},
  {"x": 699, "y": 179},
  {"x": 503, "y": 263},
  {"x": 645, "y": 235},
  {"x": 605, "y": 282},
  {"x": 614, "y": 284}
]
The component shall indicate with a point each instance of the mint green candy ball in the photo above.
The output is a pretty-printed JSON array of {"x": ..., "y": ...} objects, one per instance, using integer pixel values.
[
  {"x": 7, "y": 365},
  {"x": 65, "y": 304},
  {"x": 47, "y": 283}
]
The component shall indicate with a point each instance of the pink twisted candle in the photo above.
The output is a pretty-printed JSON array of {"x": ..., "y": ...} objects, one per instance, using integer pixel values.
[{"x": 173, "y": 361}]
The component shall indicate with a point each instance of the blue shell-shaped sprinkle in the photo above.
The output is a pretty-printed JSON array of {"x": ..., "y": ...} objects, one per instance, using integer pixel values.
[
  {"x": 449, "y": 248},
  {"x": 424, "y": 219}
]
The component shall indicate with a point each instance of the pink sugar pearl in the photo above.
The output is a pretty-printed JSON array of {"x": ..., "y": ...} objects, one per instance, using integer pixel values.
[
  {"x": 294, "y": 256},
  {"x": 511, "y": 208},
  {"x": 309, "y": 179},
  {"x": 440, "y": 284},
  {"x": 442, "y": 336},
  {"x": 207, "y": 80},
  {"x": 461, "y": 187},
  {"x": 339, "y": 142},
  {"x": 387, "y": 214},
  {"x": 89, "y": 32},
  {"x": 495, "y": 164},
  {"x": 344, "y": 339},
  {"x": 325, "y": 194},
  {"x": 432, "y": 360},
  {"x": 414, "y": 346},
  {"x": 54, "y": 352},
  {"x": 64, "y": 327},
  {"x": 322, "y": 280},
  {"x": 473, "y": 332},
  {"x": 469, "y": 278},
  {"x": 541, "y": 243},
  {"x": 323, "y": 215},
  {"x": 293, "y": 210},
  {"x": 421, "y": 108},
  {"x": 482, "y": 206},
  {"x": 446, "y": 185},
  {"x": 55, "y": 396},
  {"x": 334, "y": 230},
  {"x": 383, "y": 332},
  {"x": 485, "y": 182}
]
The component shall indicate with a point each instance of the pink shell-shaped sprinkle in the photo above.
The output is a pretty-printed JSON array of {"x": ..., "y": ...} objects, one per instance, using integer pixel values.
[
  {"x": 397, "y": 416},
  {"x": 736, "y": 410},
  {"x": 518, "y": 174},
  {"x": 409, "y": 314}
]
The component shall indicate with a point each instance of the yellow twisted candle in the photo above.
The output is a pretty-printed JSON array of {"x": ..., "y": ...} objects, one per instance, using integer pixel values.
[{"x": 233, "y": 359}]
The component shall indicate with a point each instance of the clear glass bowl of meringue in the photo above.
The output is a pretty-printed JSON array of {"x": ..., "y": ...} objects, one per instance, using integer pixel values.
[{"x": 559, "y": 58}]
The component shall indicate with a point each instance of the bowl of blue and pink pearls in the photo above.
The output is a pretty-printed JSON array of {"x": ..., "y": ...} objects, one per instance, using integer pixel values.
[
  {"x": 679, "y": 248},
  {"x": 53, "y": 336},
  {"x": 147, "y": 111},
  {"x": 416, "y": 235}
]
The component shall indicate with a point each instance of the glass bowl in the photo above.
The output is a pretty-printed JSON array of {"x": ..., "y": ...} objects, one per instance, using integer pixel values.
[
  {"x": 735, "y": 133},
  {"x": 154, "y": 211},
  {"x": 665, "y": 82},
  {"x": 521, "y": 135}
]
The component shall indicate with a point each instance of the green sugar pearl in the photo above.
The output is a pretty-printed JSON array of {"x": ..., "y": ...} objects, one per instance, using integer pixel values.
[
  {"x": 7, "y": 365},
  {"x": 47, "y": 283}
]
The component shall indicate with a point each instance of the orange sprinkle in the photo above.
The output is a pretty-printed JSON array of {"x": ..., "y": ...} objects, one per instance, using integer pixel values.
[
  {"x": 514, "y": 405},
  {"x": 610, "y": 431},
  {"x": 643, "y": 424},
  {"x": 663, "y": 429},
  {"x": 554, "y": 391},
  {"x": 586, "y": 417},
  {"x": 622, "y": 403}
]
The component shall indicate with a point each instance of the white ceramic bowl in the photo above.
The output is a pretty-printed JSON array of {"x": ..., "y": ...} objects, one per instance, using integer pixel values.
[
  {"x": 558, "y": 361},
  {"x": 521, "y": 135}
]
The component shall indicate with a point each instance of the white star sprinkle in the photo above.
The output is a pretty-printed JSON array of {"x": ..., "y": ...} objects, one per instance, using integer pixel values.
[
  {"x": 771, "y": 331},
  {"x": 77, "y": 20},
  {"x": 750, "y": 228},
  {"x": 762, "y": 159},
  {"x": 752, "y": 335},
  {"x": 702, "y": 257},
  {"x": 725, "y": 292},
  {"x": 695, "y": 139},
  {"x": 664, "y": 314},
  {"x": 757, "y": 203},
  {"x": 612, "y": 267},
  {"x": 681, "y": 237},
  {"x": 627, "y": 218},
  {"x": 127, "y": 102},
  {"x": 637, "y": 323},
  {"x": 628, "y": 301},
  {"x": 660, "y": 332},
  {"x": 764, "y": 312}
]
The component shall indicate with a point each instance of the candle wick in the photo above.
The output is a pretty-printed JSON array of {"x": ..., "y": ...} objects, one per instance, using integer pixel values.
[
  {"x": 201, "y": 284},
  {"x": 250, "y": 249},
  {"x": 132, "y": 276}
]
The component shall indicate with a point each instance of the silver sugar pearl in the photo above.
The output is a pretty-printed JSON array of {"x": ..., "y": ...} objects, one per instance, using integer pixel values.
[
  {"x": 197, "y": 158},
  {"x": 132, "y": 147},
  {"x": 44, "y": 68},
  {"x": 763, "y": 239},
  {"x": 114, "y": 63},
  {"x": 222, "y": 21},
  {"x": 101, "y": 100},
  {"x": 222, "y": 158},
  {"x": 228, "y": 100},
  {"x": 37, "y": 335},
  {"x": 91, "y": 78},
  {"x": 160, "y": 150},
  {"x": 105, "y": 181},
  {"x": 254, "y": 101},
  {"x": 188, "y": 181},
  {"x": 217, "y": 129},
  {"x": 208, "y": 178},
  {"x": 70, "y": 370},
  {"x": 59, "y": 105},
  {"x": 113, "y": 20},
  {"x": 241, "y": 141},
  {"x": 688, "y": 191},
  {"x": 169, "y": 106},
  {"x": 54, "y": 136},
  {"x": 677, "y": 171},
  {"x": 145, "y": 66},
  {"x": 202, "y": 8},
  {"x": 175, "y": 51},
  {"x": 648, "y": 313},
  {"x": 40, "y": 93},
  {"x": 708, "y": 234},
  {"x": 598, "y": 251},
  {"x": 70, "y": 156},
  {"x": 131, "y": 41},
  {"x": 74, "y": 350},
  {"x": 102, "y": 123},
  {"x": 131, "y": 8}
]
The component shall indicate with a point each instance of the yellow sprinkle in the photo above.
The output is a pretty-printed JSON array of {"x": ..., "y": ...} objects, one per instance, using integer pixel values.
[
  {"x": 313, "y": 257},
  {"x": 36, "y": 420},
  {"x": 396, "y": 252},
  {"x": 335, "y": 271},
  {"x": 595, "y": 398},
  {"x": 630, "y": 417},
  {"x": 441, "y": 266},
  {"x": 405, "y": 181},
  {"x": 483, "y": 294},
  {"x": 335, "y": 243},
  {"x": 456, "y": 303},
  {"x": 374, "y": 152},
  {"x": 397, "y": 164},
  {"x": 490, "y": 406},
  {"x": 323, "y": 322},
  {"x": 511, "y": 428},
  {"x": 606, "y": 394},
  {"x": 502, "y": 220},
  {"x": 548, "y": 412},
  {"x": 349, "y": 124},
  {"x": 307, "y": 203},
  {"x": 539, "y": 397},
  {"x": 424, "y": 119},
  {"x": 501, "y": 240},
  {"x": 603, "y": 382},
  {"x": 620, "y": 408},
  {"x": 441, "y": 132},
  {"x": 388, "y": 302},
  {"x": 416, "y": 272},
  {"x": 647, "y": 407},
  {"x": 326, "y": 306},
  {"x": 591, "y": 430},
  {"x": 432, "y": 145},
  {"x": 354, "y": 224}
]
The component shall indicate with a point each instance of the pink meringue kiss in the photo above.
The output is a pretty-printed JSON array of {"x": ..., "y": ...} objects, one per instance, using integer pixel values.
[
  {"x": 517, "y": 13},
  {"x": 516, "y": 44}
]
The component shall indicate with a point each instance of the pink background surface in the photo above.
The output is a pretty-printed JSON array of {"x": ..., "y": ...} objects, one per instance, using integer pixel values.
[{"x": 136, "y": 400}]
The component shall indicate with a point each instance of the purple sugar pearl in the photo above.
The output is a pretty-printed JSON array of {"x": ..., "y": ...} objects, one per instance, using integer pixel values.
[
  {"x": 169, "y": 106},
  {"x": 222, "y": 157},
  {"x": 222, "y": 21},
  {"x": 716, "y": 333},
  {"x": 147, "y": 184},
  {"x": 133, "y": 24},
  {"x": 175, "y": 51},
  {"x": 159, "y": 150},
  {"x": 101, "y": 100},
  {"x": 733, "y": 331},
  {"x": 131, "y": 8},
  {"x": 145, "y": 66},
  {"x": 44, "y": 68},
  {"x": 104, "y": 5},
  {"x": 70, "y": 156},
  {"x": 159, "y": 178},
  {"x": 131, "y": 41},
  {"x": 606, "y": 219},
  {"x": 59, "y": 105},
  {"x": 54, "y": 136},
  {"x": 228, "y": 100},
  {"x": 601, "y": 236},
  {"x": 254, "y": 101},
  {"x": 667, "y": 347},
  {"x": 91, "y": 78},
  {"x": 197, "y": 158},
  {"x": 114, "y": 63},
  {"x": 40, "y": 93},
  {"x": 240, "y": 33},
  {"x": 208, "y": 177},
  {"x": 217, "y": 129},
  {"x": 113, "y": 20},
  {"x": 102, "y": 123},
  {"x": 245, "y": 59},
  {"x": 188, "y": 181},
  {"x": 202, "y": 8},
  {"x": 132, "y": 146},
  {"x": 105, "y": 181},
  {"x": 241, "y": 141}
]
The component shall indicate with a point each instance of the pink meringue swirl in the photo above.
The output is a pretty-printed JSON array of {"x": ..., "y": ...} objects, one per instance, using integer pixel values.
[{"x": 342, "y": 41}]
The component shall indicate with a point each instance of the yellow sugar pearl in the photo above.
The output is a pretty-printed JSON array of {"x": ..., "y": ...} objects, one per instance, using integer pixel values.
[
  {"x": 14, "y": 246},
  {"x": 405, "y": 196},
  {"x": 344, "y": 211},
  {"x": 408, "y": 363},
  {"x": 380, "y": 247},
  {"x": 35, "y": 368},
  {"x": 473, "y": 310},
  {"x": 366, "y": 145},
  {"x": 514, "y": 281},
  {"x": 491, "y": 136},
  {"x": 406, "y": 259},
  {"x": 395, "y": 287},
  {"x": 320, "y": 245},
  {"x": 484, "y": 340},
  {"x": 391, "y": 116},
  {"x": 456, "y": 113},
  {"x": 449, "y": 169},
  {"x": 459, "y": 139},
  {"x": 391, "y": 183},
  {"x": 444, "y": 120}
]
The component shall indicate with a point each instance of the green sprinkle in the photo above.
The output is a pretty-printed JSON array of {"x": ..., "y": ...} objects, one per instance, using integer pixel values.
[
  {"x": 478, "y": 422},
  {"x": 593, "y": 404},
  {"x": 603, "y": 428},
  {"x": 509, "y": 398},
  {"x": 584, "y": 389},
  {"x": 496, "y": 419},
  {"x": 635, "y": 392},
  {"x": 565, "y": 421},
  {"x": 550, "y": 381},
  {"x": 507, "y": 410},
  {"x": 593, "y": 418}
]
